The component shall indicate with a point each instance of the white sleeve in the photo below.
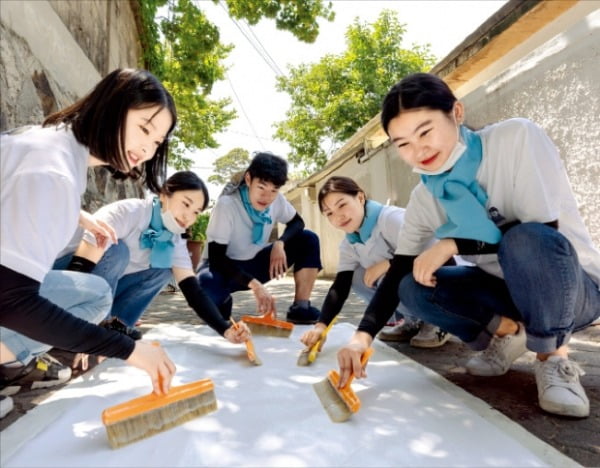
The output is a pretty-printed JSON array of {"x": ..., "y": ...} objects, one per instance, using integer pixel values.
[
  {"x": 181, "y": 255},
  {"x": 40, "y": 213},
  {"x": 284, "y": 210},
  {"x": 123, "y": 216},
  {"x": 391, "y": 225},
  {"x": 538, "y": 171},
  {"x": 220, "y": 223},
  {"x": 422, "y": 216},
  {"x": 349, "y": 260}
]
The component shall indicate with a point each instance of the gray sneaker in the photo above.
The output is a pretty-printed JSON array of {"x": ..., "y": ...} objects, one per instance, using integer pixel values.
[
  {"x": 499, "y": 355},
  {"x": 559, "y": 390},
  {"x": 399, "y": 333},
  {"x": 429, "y": 336}
]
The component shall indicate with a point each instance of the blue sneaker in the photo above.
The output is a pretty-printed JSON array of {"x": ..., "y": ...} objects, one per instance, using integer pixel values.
[{"x": 303, "y": 315}]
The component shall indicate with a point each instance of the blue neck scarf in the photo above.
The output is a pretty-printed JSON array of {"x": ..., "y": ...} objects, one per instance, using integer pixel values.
[
  {"x": 258, "y": 218},
  {"x": 461, "y": 196},
  {"x": 372, "y": 211},
  {"x": 159, "y": 239}
]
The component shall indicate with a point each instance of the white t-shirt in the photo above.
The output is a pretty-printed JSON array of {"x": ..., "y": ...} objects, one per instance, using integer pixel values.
[
  {"x": 379, "y": 247},
  {"x": 129, "y": 218},
  {"x": 43, "y": 173},
  {"x": 230, "y": 224},
  {"x": 524, "y": 179}
]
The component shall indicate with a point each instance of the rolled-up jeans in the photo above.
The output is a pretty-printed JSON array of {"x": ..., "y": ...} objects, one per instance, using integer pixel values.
[
  {"x": 544, "y": 287},
  {"x": 366, "y": 293},
  {"x": 85, "y": 296},
  {"x": 133, "y": 292}
]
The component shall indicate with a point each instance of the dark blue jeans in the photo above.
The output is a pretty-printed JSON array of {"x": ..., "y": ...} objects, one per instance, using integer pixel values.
[
  {"x": 544, "y": 287},
  {"x": 302, "y": 251}
]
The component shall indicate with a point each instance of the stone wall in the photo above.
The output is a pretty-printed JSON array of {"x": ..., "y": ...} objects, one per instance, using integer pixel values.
[{"x": 54, "y": 52}]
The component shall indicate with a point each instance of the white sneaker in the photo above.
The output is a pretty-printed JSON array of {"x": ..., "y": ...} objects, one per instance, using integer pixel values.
[
  {"x": 499, "y": 355},
  {"x": 399, "y": 333},
  {"x": 559, "y": 390},
  {"x": 429, "y": 336},
  {"x": 6, "y": 405}
]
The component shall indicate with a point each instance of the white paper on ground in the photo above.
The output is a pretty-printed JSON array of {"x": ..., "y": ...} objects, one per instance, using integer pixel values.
[{"x": 271, "y": 416}]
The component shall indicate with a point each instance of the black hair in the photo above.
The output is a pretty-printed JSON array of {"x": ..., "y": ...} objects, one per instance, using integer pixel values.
[
  {"x": 415, "y": 91},
  {"x": 339, "y": 184},
  {"x": 98, "y": 121},
  {"x": 268, "y": 167},
  {"x": 185, "y": 180}
]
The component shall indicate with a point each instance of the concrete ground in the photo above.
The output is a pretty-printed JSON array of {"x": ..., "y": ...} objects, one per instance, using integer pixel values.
[{"x": 513, "y": 394}]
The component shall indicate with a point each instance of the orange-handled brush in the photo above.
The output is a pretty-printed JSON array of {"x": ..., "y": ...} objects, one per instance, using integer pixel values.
[
  {"x": 340, "y": 403},
  {"x": 308, "y": 355},
  {"x": 267, "y": 324},
  {"x": 250, "y": 351},
  {"x": 148, "y": 415}
]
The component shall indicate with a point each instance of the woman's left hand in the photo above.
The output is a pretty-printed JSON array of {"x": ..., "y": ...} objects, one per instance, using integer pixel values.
[
  {"x": 102, "y": 232},
  {"x": 374, "y": 272},
  {"x": 431, "y": 259},
  {"x": 278, "y": 265}
]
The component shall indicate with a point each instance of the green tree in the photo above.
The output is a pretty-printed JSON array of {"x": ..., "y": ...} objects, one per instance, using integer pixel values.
[
  {"x": 182, "y": 47},
  {"x": 333, "y": 98},
  {"x": 237, "y": 160}
]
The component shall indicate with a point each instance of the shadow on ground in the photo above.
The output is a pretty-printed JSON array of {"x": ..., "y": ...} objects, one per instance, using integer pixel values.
[{"x": 514, "y": 394}]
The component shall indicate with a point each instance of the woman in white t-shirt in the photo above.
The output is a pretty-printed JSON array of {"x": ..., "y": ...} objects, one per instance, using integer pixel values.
[
  {"x": 364, "y": 256},
  {"x": 240, "y": 256},
  {"x": 150, "y": 250},
  {"x": 501, "y": 197},
  {"x": 124, "y": 124}
]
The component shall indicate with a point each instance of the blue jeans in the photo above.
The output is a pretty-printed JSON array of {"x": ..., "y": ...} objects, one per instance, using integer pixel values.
[
  {"x": 544, "y": 287},
  {"x": 302, "y": 251},
  {"x": 85, "y": 296},
  {"x": 366, "y": 293},
  {"x": 132, "y": 293}
]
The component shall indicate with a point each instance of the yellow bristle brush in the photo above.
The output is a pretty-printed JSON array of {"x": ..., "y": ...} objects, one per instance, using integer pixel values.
[
  {"x": 148, "y": 415},
  {"x": 340, "y": 403},
  {"x": 250, "y": 351},
  {"x": 308, "y": 355},
  {"x": 267, "y": 324}
]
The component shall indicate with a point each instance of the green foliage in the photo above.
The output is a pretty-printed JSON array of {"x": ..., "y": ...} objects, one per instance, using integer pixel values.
[
  {"x": 334, "y": 97},
  {"x": 182, "y": 48},
  {"x": 297, "y": 16},
  {"x": 238, "y": 159},
  {"x": 197, "y": 231}
]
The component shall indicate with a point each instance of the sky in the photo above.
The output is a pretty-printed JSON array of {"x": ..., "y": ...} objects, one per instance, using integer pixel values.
[{"x": 250, "y": 82}]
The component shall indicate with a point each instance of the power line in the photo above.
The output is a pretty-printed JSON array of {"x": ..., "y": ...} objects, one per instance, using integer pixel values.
[
  {"x": 244, "y": 112},
  {"x": 256, "y": 44}
]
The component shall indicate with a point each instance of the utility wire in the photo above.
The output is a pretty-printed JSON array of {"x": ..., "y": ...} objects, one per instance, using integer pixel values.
[
  {"x": 245, "y": 114},
  {"x": 256, "y": 44}
]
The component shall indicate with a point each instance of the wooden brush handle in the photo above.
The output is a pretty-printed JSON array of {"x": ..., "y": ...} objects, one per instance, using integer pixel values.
[
  {"x": 152, "y": 401},
  {"x": 249, "y": 345},
  {"x": 363, "y": 362},
  {"x": 312, "y": 355}
]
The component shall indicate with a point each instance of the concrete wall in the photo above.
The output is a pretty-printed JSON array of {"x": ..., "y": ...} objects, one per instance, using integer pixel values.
[
  {"x": 556, "y": 85},
  {"x": 54, "y": 52}
]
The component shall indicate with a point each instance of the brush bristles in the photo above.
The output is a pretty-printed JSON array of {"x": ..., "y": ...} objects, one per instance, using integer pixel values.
[
  {"x": 158, "y": 420},
  {"x": 303, "y": 358},
  {"x": 255, "y": 360},
  {"x": 268, "y": 330},
  {"x": 332, "y": 401}
]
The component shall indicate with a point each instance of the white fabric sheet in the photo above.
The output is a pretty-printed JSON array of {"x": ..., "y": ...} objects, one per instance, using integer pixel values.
[{"x": 270, "y": 415}]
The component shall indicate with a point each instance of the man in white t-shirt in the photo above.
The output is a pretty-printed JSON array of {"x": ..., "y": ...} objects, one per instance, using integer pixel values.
[{"x": 239, "y": 254}]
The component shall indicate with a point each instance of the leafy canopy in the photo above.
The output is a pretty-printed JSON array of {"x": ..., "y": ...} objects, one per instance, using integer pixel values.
[
  {"x": 183, "y": 49},
  {"x": 237, "y": 160},
  {"x": 333, "y": 98}
]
